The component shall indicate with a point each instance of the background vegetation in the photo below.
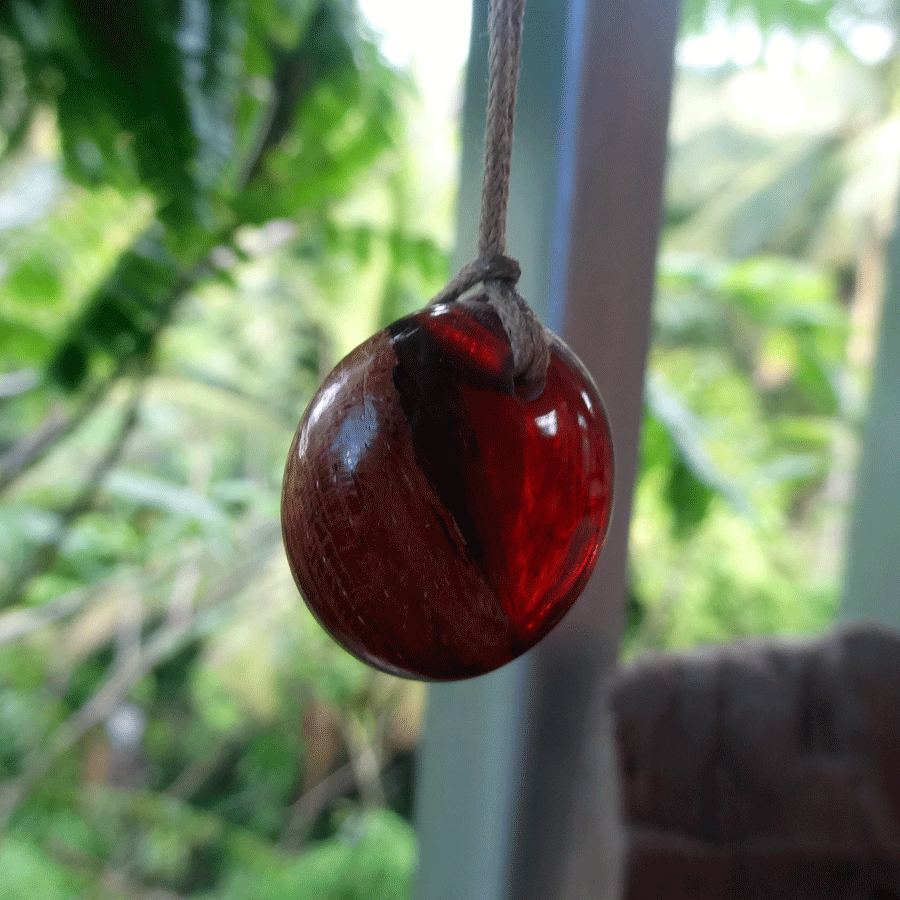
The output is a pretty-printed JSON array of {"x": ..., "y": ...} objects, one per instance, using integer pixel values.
[{"x": 203, "y": 205}]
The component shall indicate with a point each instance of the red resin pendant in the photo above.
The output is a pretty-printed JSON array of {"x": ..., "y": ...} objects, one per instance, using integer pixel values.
[{"x": 438, "y": 520}]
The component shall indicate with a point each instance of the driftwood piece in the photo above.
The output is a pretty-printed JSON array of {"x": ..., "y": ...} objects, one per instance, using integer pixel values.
[{"x": 766, "y": 769}]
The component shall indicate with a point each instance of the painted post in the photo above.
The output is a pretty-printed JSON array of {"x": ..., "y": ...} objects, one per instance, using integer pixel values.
[
  {"x": 872, "y": 580},
  {"x": 516, "y": 797}
]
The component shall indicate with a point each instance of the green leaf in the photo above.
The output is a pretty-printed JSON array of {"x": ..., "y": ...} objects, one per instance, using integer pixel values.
[
  {"x": 782, "y": 292},
  {"x": 124, "y": 316},
  {"x": 69, "y": 365},
  {"x": 374, "y": 859},
  {"x": 16, "y": 104},
  {"x": 35, "y": 281},
  {"x": 136, "y": 80},
  {"x": 26, "y": 873},
  {"x": 693, "y": 479},
  {"x": 211, "y": 40},
  {"x": 282, "y": 21},
  {"x": 172, "y": 498},
  {"x": 688, "y": 496},
  {"x": 144, "y": 90},
  {"x": 21, "y": 343},
  {"x": 333, "y": 116}
]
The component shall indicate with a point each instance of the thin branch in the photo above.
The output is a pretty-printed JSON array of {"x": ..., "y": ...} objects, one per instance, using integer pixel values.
[
  {"x": 33, "y": 447},
  {"x": 18, "y": 623},
  {"x": 363, "y": 771},
  {"x": 195, "y": 775},
  {"x": 129, "y": 671},
  {"x": 288, "y": 84},
  {"x": 318, "y": 798},
  {"x": 364, "y": 759},
  {"x": 44, "y": 557},
  {"x": 167, "y": 640}
]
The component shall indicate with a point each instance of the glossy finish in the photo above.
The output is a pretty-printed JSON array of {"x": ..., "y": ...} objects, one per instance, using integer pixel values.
[{"x": 439, "y": 520}]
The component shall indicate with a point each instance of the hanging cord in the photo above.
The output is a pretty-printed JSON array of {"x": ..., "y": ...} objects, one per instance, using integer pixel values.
[{"x": 497, "y": 272}]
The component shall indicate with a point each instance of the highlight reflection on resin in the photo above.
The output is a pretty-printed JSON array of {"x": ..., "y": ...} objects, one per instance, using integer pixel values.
[{"x": 439, "y": 520}]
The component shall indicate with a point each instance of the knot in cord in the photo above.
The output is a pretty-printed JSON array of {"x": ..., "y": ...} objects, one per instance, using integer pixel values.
[
  {"x": 497, "y": 272},
  {"x": 484, "y": 269},
  {"x": 498, "y": 275}
]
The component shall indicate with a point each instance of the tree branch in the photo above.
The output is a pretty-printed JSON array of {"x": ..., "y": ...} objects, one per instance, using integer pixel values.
[
  {"x": 315, "y": 800},
  {"x": 31, "y": 449},
  {"x": 289, "y": 83},
  {"x": 46, "y": 554},
  {"x": 20, "y": 622},
  {"x": 129, "y": 671},
  {"x": 179, "y": 628}
]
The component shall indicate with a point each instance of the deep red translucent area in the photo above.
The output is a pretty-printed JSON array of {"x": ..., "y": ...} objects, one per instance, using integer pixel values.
[
  {"x": 542, "y": 492},
  {"x": 467, "y": 340},
  {"x": 437, "y": 523}
]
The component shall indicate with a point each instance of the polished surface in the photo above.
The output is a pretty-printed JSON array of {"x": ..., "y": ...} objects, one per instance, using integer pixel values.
[{"x": 439, "y": 519}]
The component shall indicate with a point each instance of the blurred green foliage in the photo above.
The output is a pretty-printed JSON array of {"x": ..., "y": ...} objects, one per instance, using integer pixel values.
[
  {"x": 204, "y": 204},
  {"x": 778, "y": 212},
  {"x": 744, "y": 408},
  {"x": 796, "y": 17},
  {"x": 195, "y": 190}
]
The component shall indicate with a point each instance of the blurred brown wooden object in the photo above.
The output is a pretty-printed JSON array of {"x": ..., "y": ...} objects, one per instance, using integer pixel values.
[{"x": 763, "y": 770}]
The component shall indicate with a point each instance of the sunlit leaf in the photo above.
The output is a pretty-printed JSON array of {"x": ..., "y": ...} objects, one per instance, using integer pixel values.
[
  {"x": 373, "y": 860},
  {"x": 21, "y": 343},
  {"x": 174, "y": 499},
  {"x": 27, "y": 873},
  {"x": 693, "y": 479},
  {"x": 124, "y": 316},
  {"x": 768, "y": 207}
]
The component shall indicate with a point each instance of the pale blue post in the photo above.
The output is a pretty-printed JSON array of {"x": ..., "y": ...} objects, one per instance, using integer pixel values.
[
  {"x": 872, "y": 584},
  {"x": 516, "y": 796}
]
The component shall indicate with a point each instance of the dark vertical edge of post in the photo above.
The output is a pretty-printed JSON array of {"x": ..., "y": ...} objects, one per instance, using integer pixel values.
[{"x": 565, "y": 842}]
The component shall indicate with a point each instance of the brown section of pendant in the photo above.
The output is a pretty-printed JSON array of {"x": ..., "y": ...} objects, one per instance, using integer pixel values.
[{"x": 374, "y": 551}]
